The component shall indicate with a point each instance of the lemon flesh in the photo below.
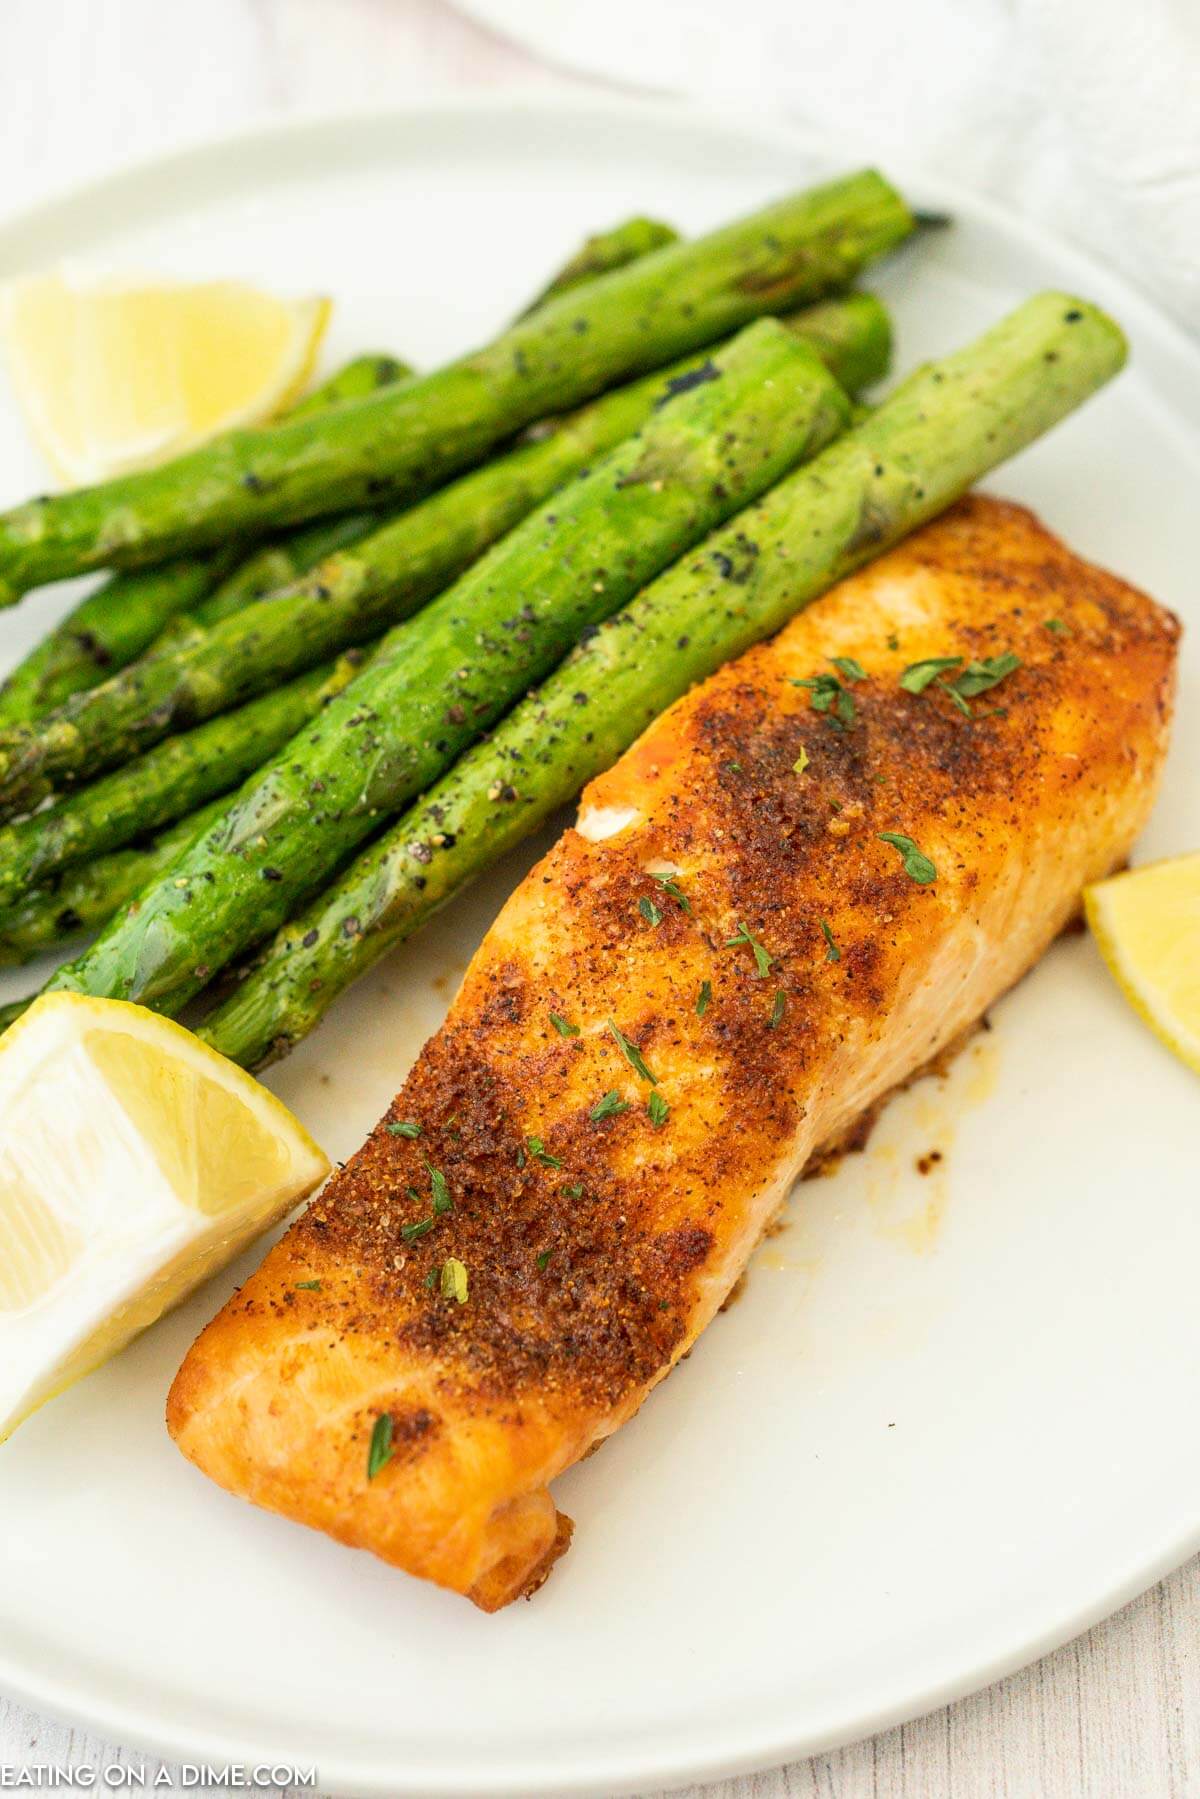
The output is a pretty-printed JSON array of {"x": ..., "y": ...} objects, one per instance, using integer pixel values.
[
  {"x": 115, "y": 376},
  {"x": 135, "y": 1162},
  {"x": 1147, "y": 926}
]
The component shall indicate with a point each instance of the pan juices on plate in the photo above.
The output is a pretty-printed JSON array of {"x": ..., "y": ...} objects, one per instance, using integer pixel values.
[{"x": 810, "y": 875}]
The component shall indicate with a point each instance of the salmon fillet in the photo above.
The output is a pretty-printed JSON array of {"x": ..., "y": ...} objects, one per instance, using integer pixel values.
[{"x": 796, "y": 969}]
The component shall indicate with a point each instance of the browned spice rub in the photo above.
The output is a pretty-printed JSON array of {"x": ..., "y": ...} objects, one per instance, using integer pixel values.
[{"x": 718, "y": 972}]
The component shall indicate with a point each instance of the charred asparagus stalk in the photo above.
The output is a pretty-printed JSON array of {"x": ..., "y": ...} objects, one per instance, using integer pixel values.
[
  {"x": 281, "y": 562},
  {"x": 77, "y": 902},
  {"x": 166, "y": 783},
  {"x": 852, "y": 335},
  {"x": 293, "y": 554},
  {"x": 407, "y": 439},
  {"x": 355, "y": 380},
  {"x": 277, "y": 564},
  {"x": 604, "y": 252},
  {"x": 357, "y": 593},
  {"x": 737, "y": 424},
  {"x": 117, "y": 623},
  {"x": 107, "y": 630},
  {"x": 943, "y": 429}
]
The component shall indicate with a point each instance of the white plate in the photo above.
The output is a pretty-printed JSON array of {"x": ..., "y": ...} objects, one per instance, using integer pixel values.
[{"x": 950, "y": 1423}]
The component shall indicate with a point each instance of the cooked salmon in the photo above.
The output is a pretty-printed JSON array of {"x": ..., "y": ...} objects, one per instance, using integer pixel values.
[{"x": 803, "y": 882}]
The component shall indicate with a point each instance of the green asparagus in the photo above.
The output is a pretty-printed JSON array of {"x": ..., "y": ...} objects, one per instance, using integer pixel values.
[
  {"x": 852, "y": 335},
  {"x": 411, "y": 437},
  {"x": 283, "y": 561},
  {"x": 77, "y": 902},
  {"x": 121, "y": 619},
  {"x": 164, "y": 784},
  {"x": 108, "y": 629},
  {"x": 293, "y": 554},
  {"x": 279, "y": 563},
  {"x": 355, "y": 380},
  {"x": 601, "y": 254},
  {"x": 923, "y": 447},
  {"x": 358, "y": 593},
  {"x": 731, "y": 428}
]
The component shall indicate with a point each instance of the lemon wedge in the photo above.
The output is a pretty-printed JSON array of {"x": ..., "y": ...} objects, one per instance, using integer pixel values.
[
  {"x": 116, "y": 375},
  {"x": 1147, "y": 925},
  {"x": 134, "y": 1162}
]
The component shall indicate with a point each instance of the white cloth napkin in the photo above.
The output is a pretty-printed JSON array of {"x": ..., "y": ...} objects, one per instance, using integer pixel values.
[{"x": 1084, "y": 114}]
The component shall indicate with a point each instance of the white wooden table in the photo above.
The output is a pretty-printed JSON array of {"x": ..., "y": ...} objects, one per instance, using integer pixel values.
[{"x": 85, "y": 84}]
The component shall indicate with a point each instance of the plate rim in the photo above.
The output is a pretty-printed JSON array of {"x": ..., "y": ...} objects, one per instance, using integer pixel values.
[{"x": 618, "y": 1771}]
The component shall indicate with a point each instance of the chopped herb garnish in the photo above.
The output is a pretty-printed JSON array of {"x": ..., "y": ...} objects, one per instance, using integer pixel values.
[
  {"x": 308, "y": 1286},
  {"x": 632, "y": 1054},
  {"x": 520, "y": 1155},
  {"x": 669, "y": 885},
  {"x": 974, "y": 679},
  {"x": 609, "y": 1106},
  {"x": 411, "y": 1232},
  {"x": 538, "y": 1151},
  {"x": 1056, "y": 625},
  {"x": 917, "y": 867},
  {"x": 832, "y": 952},
  {"x": 544, "y": 1258},
  {"x": 658, "y": 1109},
  {"x": 563, "y": 1028},
  {"x": 441, "y": 1193},
  {"x": 918, "y": 675},
  {"x": 434, "y": 1275},
  {"x": 703, "y": 998},
  {"x": 801, "y": 762},
  {"x": 778, "y": 1008},
  {"x": 382, "y": 1448},
  {"x": 981, "y": 677},
  {"x": 404, "y": 1128},
  {"x": 828, "y": 695},
  {"x": 847, "y": 666},
  {"x": 763, "y": 963},
  {"x": 735, "y": 766},
  {"x": 572, "y": 1190},
  {"x": 893, "y": 642},
  {"x": 649, "y": 910},
  {"x": 452, "y": 1281}
]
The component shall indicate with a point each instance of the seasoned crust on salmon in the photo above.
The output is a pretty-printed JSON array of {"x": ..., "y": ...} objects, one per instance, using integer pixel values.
[{"x": 600, "y": 1237}]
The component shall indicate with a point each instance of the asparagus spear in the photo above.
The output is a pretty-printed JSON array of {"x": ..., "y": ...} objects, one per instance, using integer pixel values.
[
  {"x": 82, "y": 898},
  {"x": 900, "y": 466},
  {"x": 282, "y": 561},
  {"x": 166, "y": 783},
  {"x": 357, "y": 593},
  {"x": 410, "y": 437},
  {"x": 852, "y": 334},
  {"x": 108, "y": 629},
  {"x": 121, "y": 619},
  {"x": 601, "y": 254},
  {"x": 297, "y": 551},
  {"x": 357, "y": 379},
  {"x": 438, "y": 681},
  {"x": 277, "y": 564}
]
